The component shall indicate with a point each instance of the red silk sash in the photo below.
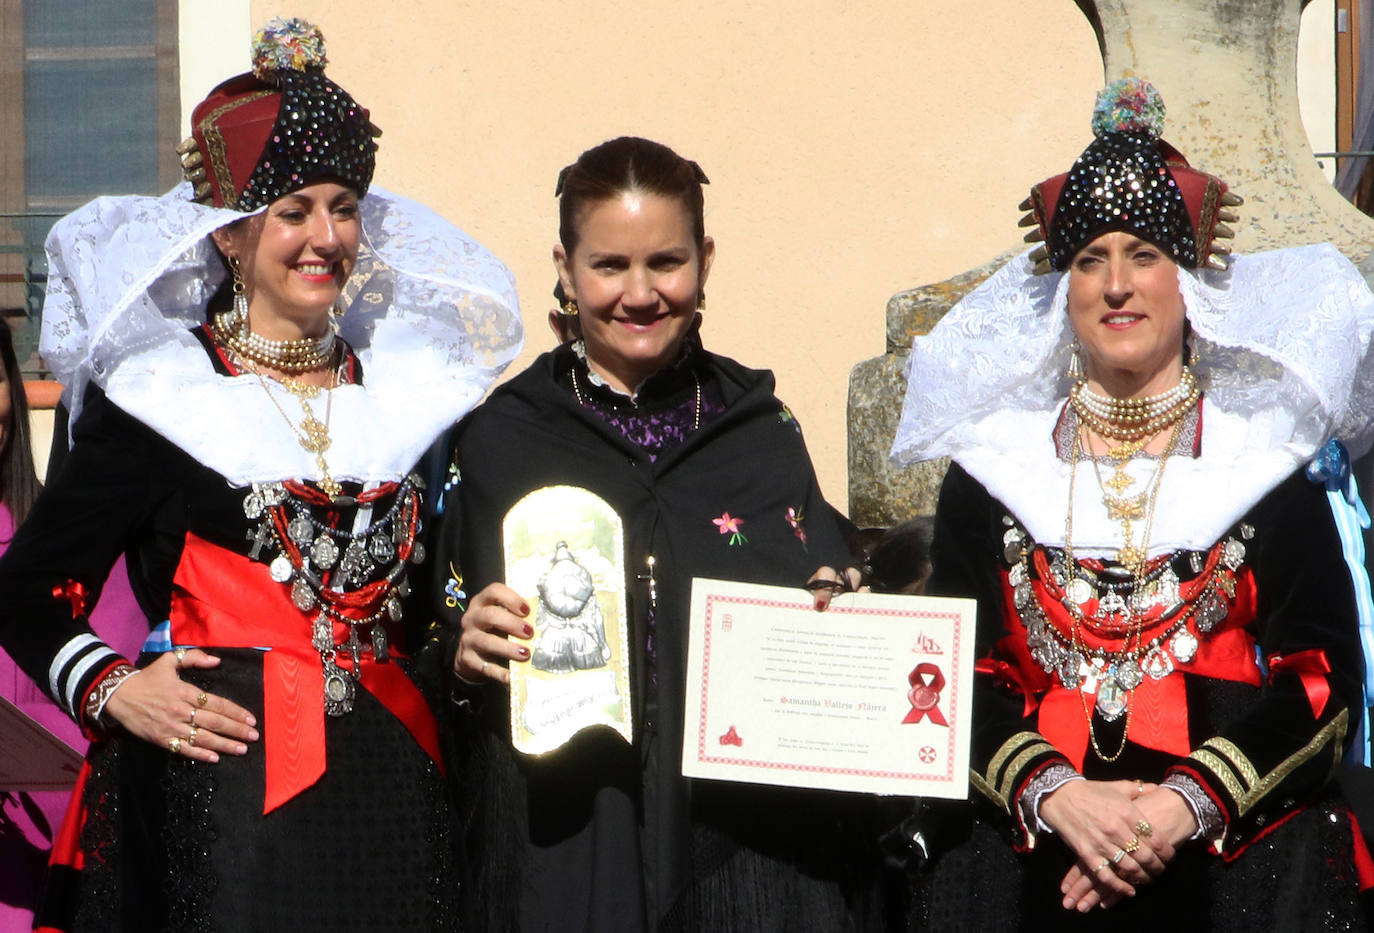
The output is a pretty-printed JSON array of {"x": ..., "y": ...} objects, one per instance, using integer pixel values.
[{"x": 223, "y": 599}]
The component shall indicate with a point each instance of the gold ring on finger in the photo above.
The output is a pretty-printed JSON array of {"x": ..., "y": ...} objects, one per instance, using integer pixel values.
[
  {"x": 1132, "y": 846},
  {"x": 202, "y": 699},
  {"x": 1117, "y": 856},
  {"x": 180, "y": 656},
  {"x": 1104, "y": 864},
  {"x": 1143, "y": 829},
  {"x": 174, "y": 746},
  {"x": 191, "y": 739}
]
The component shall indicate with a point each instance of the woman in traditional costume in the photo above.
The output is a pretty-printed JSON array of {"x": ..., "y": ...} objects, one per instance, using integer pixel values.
[
  {"x": 268, "y": 761},
  {"x": 1168, "y": 594},
  {"x": 709, "y": 474}
]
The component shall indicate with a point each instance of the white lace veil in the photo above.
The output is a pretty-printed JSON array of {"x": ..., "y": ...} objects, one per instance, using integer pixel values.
[
  {"x": 1284, "y": 345},
  {"x": 432, "y": 314},
  {"x": 1283, "y": 340}
]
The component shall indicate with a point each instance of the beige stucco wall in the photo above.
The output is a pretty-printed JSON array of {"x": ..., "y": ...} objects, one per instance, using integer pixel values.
[{"x": 854, "y": 149}]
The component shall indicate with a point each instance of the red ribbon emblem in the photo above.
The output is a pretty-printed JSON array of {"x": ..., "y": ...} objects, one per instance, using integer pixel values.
[
  {"x": 926, "y": 682},
  {"x": 1311, "y": 667},
  {"x": 74, "y": 593}
]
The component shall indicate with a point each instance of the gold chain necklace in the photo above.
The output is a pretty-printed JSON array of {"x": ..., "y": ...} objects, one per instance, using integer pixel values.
[
  {"x": 311, "y": 434},
  {"x": 1130, "y": 649}
]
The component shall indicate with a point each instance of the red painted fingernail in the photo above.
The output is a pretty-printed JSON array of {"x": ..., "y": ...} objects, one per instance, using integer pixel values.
[
  {"x": 524, "y": 609},
  {"x": 529, "y": 631},
  {"x": 522, "y": 651},
  {"x": 820, "y": 605}
]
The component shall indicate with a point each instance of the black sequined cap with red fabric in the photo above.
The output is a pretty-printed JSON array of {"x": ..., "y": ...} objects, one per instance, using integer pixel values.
[
  {"x": 266, "y": 133},
  {"x": 1129, "y": 179}
]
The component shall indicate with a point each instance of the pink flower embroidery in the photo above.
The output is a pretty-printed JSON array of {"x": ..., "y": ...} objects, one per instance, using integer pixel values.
[
  {"x": 729, "y": 525},
  {"x": 794, "y": 518}
]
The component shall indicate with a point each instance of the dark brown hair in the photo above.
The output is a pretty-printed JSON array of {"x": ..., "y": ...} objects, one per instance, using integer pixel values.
[
  {"x": 18, "y": 478},
  {"x": 628, "y": 163}
]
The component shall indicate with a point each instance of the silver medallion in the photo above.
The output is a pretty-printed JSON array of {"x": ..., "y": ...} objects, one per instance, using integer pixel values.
[
  {"x": 322, "y": 633},
  {"x": 1013, "y": 542},
  {"x": 280, "y": 568},
  {"x": 301, "y": 530},
  {"x": 1111, "y": 604},
  {"x": 1184, "y": 646},
  {"x": 339, "y": 691},
  {"x": 417, "y": 554},
  {"x": 1071, "y": 670},
  {"x": 1196, "y": 561},
  {"x": 1037, "y": 633},
  {"x": 393, "y": 608},
  {"x": 1233, "y": 553},
  {"x": 272, "y": 493},
  {"x": 1166, "y": 587},
  {"x": 1247, "y": 531},
  {"x": 253, "y": 506},
  {"x": 1021, "y": 595},
  {"x": 1017, "y": 575},
  {"x": 356, "y": 565},
  {"x": 381, "y": 649},
  {"x": 301, "y": 596},
  {"x": 1111, "y": 700},
  {"x": 380, "y": 549},
  {"x": 324, "y": 553},
  {"x": 398, "y": 532},
  {"x": 1157, "y": 663},
  {"x": 1079, "y": 591},
  {"x": 1211, "y": 609},
  {"x": 1128, "y": 674},
  {"x": 1059, "y": 569}
]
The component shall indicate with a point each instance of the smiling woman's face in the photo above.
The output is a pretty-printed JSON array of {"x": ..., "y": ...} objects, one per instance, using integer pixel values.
[
  {"x": 636, "y": 274},
  {"x": 1127, "y": 312}
]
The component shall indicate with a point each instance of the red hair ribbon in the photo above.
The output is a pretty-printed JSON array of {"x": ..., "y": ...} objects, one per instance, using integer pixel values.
[
  {"x": 74, "y": 593},
  {"x": 1311, "y": 667},
  {"x": 926, "y": 682}
]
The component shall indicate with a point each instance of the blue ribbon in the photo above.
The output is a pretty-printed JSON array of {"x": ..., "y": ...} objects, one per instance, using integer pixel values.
[{"x": 1331, "y": 468}]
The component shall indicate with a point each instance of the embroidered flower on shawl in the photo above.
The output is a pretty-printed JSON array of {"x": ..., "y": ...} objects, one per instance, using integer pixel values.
[
  {"x": 786, "y": 417},
  {"x": 794, "y": 518},
  {"x": 453, "y": 590},
  {"x": 729, "y": 525}
]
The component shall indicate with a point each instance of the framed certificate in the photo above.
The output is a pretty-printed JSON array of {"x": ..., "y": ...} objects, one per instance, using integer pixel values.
[{"x": 872, "y": 695}]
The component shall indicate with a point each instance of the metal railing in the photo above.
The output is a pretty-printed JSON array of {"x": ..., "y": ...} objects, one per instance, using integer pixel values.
[{"x": 32, "y": 227}]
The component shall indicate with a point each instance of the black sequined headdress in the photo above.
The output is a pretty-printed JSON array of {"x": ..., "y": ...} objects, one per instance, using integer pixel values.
[
  {"x": 1129, "y": 179},
  {"x": 262, "y": 135}
]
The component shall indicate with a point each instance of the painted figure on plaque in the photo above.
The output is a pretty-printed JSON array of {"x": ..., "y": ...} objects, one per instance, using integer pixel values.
[{"x": 572, "y": 633}]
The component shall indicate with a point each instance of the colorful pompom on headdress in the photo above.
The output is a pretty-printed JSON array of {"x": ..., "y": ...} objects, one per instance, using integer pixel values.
[
  {"x": 278, "y": 128},
  {"x": 1130, "y": 179}
]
